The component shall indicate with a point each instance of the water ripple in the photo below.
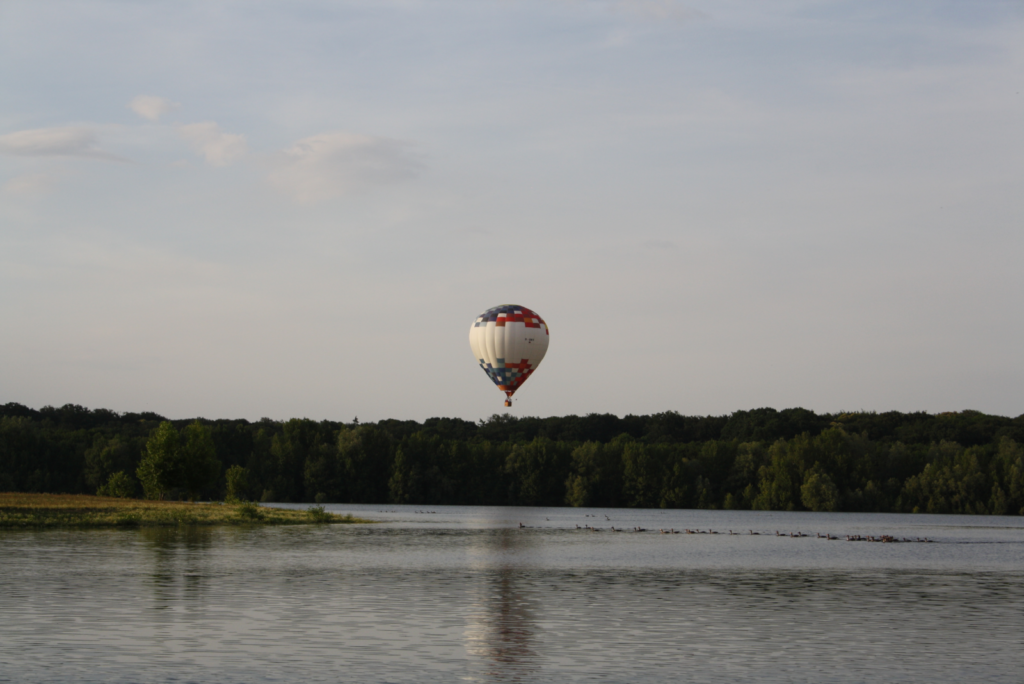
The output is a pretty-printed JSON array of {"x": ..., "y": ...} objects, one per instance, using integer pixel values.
[{"x": 468, "y": 602}]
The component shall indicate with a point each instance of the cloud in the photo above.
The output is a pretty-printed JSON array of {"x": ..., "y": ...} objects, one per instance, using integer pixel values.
[
  {"x": 207, "y": 139},
  {"x": 334, "y": 164},
  {"x": 70, "y": 141},
  {"x": 660, "y": 9},
  {"x": 151, "y": 107},
  {"x": 29, "y": 184}
]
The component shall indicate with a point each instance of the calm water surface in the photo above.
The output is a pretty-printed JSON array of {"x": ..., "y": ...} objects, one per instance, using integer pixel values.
[{"x": 451, "y": 594}]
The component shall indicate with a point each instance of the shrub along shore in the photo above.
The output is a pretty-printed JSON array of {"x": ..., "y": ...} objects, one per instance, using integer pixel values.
[
  {"x": 762, "y": 459},
  {"x": 26, "y": 510}
]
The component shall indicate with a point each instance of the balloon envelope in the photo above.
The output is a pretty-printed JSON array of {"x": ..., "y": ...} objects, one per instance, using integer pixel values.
[{"x": 509, "y": 342}]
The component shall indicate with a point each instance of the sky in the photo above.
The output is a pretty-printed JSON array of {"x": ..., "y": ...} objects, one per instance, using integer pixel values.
[{"x": 269, "y": 209}]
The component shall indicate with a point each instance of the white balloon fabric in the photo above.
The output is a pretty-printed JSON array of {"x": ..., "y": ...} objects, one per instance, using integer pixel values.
[{"x": 509, "y": 342}]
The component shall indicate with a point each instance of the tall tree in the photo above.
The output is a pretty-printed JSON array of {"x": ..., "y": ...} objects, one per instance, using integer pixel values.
[
  {"x": 366, "y": 454},
  {"x": 159, "y": 471},
  {"x": 641, "y": 476},
  {"x": 818, "y": 492},
  {"x": 199, "y": 466},
  {"x": 106, "y": 457},
  {"x": 237, "y": 484}
]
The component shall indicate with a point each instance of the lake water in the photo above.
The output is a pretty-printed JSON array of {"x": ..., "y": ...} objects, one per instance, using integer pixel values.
[{"x": 463, "y": 594}]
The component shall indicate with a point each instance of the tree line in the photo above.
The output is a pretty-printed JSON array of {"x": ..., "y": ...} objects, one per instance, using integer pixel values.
[{"x": 763, "y": 459}]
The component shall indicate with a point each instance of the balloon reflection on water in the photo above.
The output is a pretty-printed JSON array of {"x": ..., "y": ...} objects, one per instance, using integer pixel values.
[{"x": 500, "y": 622}]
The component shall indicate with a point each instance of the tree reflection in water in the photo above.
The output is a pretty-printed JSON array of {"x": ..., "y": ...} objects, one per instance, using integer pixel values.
[{"x": 179, "y": 556}]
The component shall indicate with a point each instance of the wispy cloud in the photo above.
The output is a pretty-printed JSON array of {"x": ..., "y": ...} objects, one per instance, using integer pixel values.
[
  {"x": 151, "y": 107},
  {"x": 334, "y": 164},
  {"x": 69, "y": 141},
  {"x": 29, "y": 184},
  {"x": 659, "y": 9},
  {"x": 208, "y": 140}
]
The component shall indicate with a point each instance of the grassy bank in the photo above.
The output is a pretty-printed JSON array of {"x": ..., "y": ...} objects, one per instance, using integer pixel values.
[{"x": 19, "y": 510}]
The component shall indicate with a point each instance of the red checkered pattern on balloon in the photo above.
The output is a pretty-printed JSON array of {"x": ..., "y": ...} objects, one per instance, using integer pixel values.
[{"x": 525, "y": 316}]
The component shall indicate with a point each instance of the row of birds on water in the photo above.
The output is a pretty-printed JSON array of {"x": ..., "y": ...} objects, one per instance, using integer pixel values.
[{"x": 885, "y": 538}]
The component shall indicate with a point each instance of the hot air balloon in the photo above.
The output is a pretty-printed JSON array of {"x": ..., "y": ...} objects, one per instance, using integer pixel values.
[{"x": 509, "y": 342}]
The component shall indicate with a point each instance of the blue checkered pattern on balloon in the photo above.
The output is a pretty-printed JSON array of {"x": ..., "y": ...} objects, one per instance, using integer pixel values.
[{"x": 506, "y": 377}]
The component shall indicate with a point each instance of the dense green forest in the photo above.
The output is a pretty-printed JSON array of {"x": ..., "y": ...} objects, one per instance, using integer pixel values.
[{"x": 962, "y": 462}]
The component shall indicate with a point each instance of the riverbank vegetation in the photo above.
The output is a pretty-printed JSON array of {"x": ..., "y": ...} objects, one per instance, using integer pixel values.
[
  {"x": 78, "y": 510},
  {"x": 795, "y": 459}
]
